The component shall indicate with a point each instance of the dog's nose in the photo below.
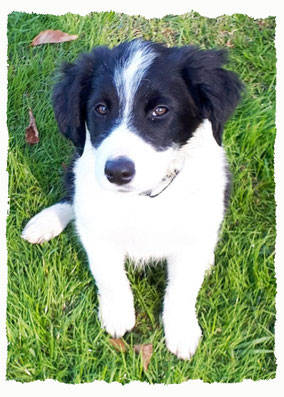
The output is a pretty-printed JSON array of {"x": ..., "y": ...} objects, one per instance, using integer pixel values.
[{"x": 120, "y": 170}]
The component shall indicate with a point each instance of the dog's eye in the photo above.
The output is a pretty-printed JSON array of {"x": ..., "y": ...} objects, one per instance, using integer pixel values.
[
  {"x": 159, "y": 111},
  {"x": 101, "y": 109}
]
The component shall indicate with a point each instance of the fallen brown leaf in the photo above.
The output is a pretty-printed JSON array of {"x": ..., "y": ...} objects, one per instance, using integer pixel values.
[
  {"x": 118, "y": 344},
  {"x": 262, "y": 23},
  {"x": 52, "y": 36},
  {"x": 146, "y": 351},
  {"x": 229, "y": 44},
  {"x": 32, "y": 135}
]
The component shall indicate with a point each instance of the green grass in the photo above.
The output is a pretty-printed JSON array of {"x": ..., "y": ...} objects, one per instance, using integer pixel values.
[{"x": 52, "y": 326}]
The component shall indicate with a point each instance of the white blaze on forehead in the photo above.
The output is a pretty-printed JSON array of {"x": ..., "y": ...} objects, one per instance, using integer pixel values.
[{"x": 128, "y": 75}]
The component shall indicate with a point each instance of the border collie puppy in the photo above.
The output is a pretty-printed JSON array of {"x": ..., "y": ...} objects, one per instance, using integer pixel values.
[{"x": 149, "y": 179}]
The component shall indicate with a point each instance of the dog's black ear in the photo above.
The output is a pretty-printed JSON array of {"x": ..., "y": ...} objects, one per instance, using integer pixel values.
[
  {"x": 70, "y": 97},
  {"x": 215, "y": 90}
]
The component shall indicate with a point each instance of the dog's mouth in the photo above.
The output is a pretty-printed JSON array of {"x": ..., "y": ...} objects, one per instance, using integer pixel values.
[
  {"x": 135, "y": 187},
  {"x": 125, "y": 190}
]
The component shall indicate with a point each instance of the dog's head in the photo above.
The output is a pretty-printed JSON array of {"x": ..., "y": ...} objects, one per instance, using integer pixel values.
[{"x": 139, "y": 103}]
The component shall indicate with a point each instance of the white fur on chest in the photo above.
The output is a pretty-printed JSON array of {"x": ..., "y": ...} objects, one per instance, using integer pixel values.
[{"x": 142, "y": 227}]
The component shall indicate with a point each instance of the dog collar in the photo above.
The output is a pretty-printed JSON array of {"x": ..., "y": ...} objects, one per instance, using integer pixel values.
[{"x": 163, "y": 185}]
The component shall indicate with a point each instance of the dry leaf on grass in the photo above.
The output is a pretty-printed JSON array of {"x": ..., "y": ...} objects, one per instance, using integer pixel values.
[
  {"x": 146, "y": 353},
  {"x": 32, "y": 135},
  {"x": 118, "y": 344},
  {"x": 229, "y": 44},
  {"x": 146, "y": 350},
  {"x": 52, "y": 36}
]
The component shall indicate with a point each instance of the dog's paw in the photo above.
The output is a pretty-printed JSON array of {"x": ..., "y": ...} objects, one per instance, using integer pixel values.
[
  {"x": 182, "y": 336},
  {"x": 117, "y": 316},
  {"x": 47, "y": 224}
]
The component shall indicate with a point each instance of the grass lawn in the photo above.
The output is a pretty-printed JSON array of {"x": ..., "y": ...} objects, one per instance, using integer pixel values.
[{"x": 52, "y": 326}]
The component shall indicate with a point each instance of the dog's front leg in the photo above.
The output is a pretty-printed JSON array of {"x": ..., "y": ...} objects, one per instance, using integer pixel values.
[
  {"x": 185, "y": 275},
  {"x": 116, "y": 305}
]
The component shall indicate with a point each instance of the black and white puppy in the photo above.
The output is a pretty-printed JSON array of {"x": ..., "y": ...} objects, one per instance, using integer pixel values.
[{"x": 150, "y": 177}]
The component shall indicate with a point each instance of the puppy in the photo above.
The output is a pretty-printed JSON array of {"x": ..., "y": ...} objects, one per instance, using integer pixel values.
[{"x": 150, "y": 178}]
